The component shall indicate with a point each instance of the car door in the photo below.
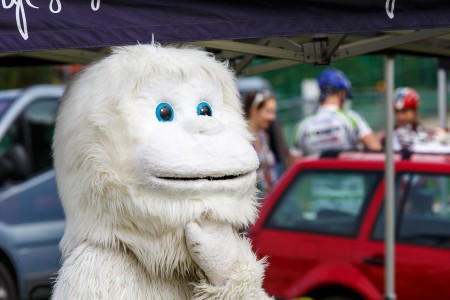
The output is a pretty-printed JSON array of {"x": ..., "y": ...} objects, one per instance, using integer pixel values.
[
  {"x": 31, "y": 215},
  {"x": 422, "y": 252},
  {"x": 314, "y": 223}
]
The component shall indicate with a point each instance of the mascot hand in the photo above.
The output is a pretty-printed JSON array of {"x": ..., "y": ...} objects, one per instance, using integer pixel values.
[{"x": 213, "y": 247}]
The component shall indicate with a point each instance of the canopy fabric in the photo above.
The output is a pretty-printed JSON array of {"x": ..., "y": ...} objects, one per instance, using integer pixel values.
[{"x": 33, "y": 25}]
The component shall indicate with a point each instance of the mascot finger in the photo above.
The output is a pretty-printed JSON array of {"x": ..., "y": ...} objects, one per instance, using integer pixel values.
[{"x": 213, "y": 247}]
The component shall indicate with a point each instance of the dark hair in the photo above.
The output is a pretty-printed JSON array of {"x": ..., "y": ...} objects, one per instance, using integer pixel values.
[{"x": 250, "y": 99}]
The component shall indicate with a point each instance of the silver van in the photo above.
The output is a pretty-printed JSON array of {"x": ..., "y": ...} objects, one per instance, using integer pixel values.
[{"x": 31, "y": 216}]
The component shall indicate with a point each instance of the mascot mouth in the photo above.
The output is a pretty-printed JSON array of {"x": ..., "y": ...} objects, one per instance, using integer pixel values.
[
  {"x": 208, "y": 178},
  {"x": 202, "y": 183}
]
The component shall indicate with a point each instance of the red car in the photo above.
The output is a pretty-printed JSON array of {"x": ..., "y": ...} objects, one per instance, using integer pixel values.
[{"x": 322, "y": 228}]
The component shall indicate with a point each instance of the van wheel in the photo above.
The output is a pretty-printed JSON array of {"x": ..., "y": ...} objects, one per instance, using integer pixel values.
[{"x": 7, "y": 287}]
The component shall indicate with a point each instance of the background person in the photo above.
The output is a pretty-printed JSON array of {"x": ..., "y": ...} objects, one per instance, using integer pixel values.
[
  {"x": 333, "y": 127},
  {"x": 409, "y": 132},
  {"x": 260, "y": 110},
  {"x": 408, "y": 129}
]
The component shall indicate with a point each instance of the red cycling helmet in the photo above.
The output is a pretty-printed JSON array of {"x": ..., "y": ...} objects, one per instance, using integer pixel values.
[{"x": 406, "y": 98}]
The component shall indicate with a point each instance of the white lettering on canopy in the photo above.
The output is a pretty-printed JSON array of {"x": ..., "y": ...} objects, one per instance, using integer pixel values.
[
  {"x": 21, "y": 19},
  {"x": 55, "y": 7},
  {"x": 95, "y": 5},
  {"x": 58, "y": 7},
  {"x": 390, "y": 8}
]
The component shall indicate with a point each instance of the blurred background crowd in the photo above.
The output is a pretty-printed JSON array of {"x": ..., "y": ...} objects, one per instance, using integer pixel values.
[
  {"x": 296, "y": 89},
  {"x": 277, "y": 102}
]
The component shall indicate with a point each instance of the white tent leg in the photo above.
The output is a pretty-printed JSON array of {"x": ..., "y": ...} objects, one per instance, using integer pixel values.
[{"x": 389, "y": 234}]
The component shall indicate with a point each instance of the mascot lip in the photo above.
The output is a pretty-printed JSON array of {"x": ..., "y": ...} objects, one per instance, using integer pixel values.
[
  {"x": 203, "y": 182},
  {"x": 209, "y": 178}
]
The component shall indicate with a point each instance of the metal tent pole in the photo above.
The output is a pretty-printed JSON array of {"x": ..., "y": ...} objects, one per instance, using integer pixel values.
[
  {"x": 389, "y": 228},
  {"x": 442, "y": 97},
  {"x": 442, "y": 111}
]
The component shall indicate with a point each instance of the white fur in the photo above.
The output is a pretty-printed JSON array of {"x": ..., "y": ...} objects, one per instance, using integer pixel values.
[{"x": 126, "y": 227}]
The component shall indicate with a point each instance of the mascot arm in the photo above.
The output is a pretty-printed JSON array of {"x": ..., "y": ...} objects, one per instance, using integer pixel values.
[
  {"x": 93, "y": 272},
  {"x": 231, "y": 267}
]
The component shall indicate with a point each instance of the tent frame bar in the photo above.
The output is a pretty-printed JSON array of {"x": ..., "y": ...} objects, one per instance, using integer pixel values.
[{"x": 389, "y": 177}]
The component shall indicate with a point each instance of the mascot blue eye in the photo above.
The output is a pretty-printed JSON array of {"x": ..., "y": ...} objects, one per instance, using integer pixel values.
[
  {"x": 203, "y": 109},
  {"x": 164, "y": 112}
]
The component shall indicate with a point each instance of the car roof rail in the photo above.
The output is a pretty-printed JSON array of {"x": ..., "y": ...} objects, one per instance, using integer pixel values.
[
  {"x": 330, "y": 153},
  {"x": 335, "y": 153},
  {"x": 406, "y": 153}
]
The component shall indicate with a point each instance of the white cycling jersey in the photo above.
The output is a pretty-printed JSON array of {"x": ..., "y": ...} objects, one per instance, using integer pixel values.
[
  {"x": 330, "y": 128},
  {"x": 421, "y": 139}
]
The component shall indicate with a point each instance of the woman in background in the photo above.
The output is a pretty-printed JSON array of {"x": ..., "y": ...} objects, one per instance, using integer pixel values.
[{"x": 260, "y": 110}]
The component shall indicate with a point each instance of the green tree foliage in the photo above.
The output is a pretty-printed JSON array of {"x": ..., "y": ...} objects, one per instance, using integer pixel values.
[
  {"x": 17, "y": 77},
  {"x": 365, "y": 72}
]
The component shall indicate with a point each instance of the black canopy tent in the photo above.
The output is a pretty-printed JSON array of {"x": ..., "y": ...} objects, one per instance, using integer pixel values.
[
  {"x": 290, "y": 32},
  {"x": 314, "y": 31}
]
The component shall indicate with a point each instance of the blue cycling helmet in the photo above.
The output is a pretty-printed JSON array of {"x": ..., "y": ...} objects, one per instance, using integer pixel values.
[{"x": 332, "y": 81}]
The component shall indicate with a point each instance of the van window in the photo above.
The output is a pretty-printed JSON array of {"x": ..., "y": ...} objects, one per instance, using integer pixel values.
[{"x": 34, "y": 129}]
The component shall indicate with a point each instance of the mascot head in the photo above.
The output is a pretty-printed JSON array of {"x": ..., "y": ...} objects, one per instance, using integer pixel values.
[{"x": 148, "y": 139}]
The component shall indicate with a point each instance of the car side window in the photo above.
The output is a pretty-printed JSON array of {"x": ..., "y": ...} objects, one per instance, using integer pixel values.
[
  {"x": 423, "y": 213},
  {"x": 34, "y": 130},
  {"x": 329, "y": 202}
]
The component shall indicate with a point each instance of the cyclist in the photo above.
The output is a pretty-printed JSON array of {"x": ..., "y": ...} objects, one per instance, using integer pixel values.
[
  {"x": 333, "y": 127},
  {"x": 409, "y": 133}
]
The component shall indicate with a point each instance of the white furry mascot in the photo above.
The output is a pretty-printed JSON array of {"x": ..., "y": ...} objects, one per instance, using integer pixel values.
[{"x": 156, "y": 173}]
